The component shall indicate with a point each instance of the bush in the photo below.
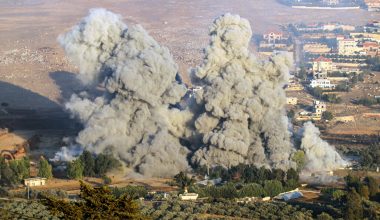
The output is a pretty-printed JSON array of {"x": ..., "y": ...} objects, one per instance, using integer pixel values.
[
  {"x": 273, "y": 187},
  {"x": 134, "y": 192},
  {"x": 327, "y": 115},
  {"x": 107, "y": 180}
]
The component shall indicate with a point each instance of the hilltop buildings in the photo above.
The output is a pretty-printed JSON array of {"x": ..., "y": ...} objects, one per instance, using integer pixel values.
[{"x": 372, "y": 5}]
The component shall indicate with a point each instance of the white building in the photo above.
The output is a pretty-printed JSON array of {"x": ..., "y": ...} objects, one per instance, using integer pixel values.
[
  {"x": 322, "y": 83},
  {"x": 188, "y": 196},
  {"x": 322, "y": 64},
  {"x": 35, "y": 181},
  {"x": 319, "y": 107},
  {"x": 330, "y": 2},
  {"x": 348, "y": 47}
]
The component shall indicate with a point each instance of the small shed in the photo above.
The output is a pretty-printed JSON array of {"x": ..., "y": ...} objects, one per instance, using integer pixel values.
[{"x": 35, "y": 181}]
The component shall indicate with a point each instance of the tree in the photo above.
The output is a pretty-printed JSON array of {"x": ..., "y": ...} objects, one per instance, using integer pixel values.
[
  {"x": 373, "y": 186},
  {"x": 45, "y": 169},
  {"x": 95, "y": 203},
  {"x": 13, "y": 172},
  {"x": 292, "y": 174},
  {"x": 327, "y": 115},
  {"x": 354, "y": 208},
  {"x": 299, "y": 158},
  {"x": 105, "y": 163},
  {"x": 75, "y": 169},
  {"x": 273, "y": 187},
  {"x": 324, "y": 216},
  {"x": 363, "y": 191},
  {"x": 88, "y": 162},
  {"x": 291, "y": 114},
  {"x": 278, "y": 174},
  {"x": 352, "y": 182},
  {"x": 183, "y": 181}
]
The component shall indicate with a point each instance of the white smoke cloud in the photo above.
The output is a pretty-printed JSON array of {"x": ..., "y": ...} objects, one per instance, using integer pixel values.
[
  {"x": 135, "y": 118},
  {"x": 243, "y": 120},
  {"x": 67, "y": 153},
  {"x": 320, "y": 156}
]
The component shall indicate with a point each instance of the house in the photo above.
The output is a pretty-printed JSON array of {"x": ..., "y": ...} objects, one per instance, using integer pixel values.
[
  {"x": 211, "y": 182},
  {"x": 316, "y": 48},
  {"x": 363, "y": 36},
  {"x": 322, "y": 64},
  {"x": 273, "y": 36},
  {"x": 322, "y": 83},
  {"x": 348, "y": 47},
  {"x": 286, "y": 196},
  {"x": 371, "y": 48},
  {"x": 373, "y": 27},
  {"x": 35, "y": 181},
  {"x": 344, "y": 119},
  {"x": 188, "y": 196},
  {"x": 330, "y": 2},
  {"x": 294, "y": 87},
  {"x": 348, "y": 67},
  {"x": 319, "y": 107},
  {"x": 247, "y": 200},
  {"x": 291, "y": 100}
]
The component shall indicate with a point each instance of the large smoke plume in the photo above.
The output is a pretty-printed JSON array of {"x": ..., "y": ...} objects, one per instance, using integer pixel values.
[
  {"x": 243, "y": 120},
  {"x": 237, "y": 117},
  {"x": 134, "y": 118}
]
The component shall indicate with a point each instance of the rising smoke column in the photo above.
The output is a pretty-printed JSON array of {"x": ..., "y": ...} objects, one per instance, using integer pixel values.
[
  {"x": 320, "y": 156},
  {"x": 135, "y": 119},
  {"x": 243, "y": 117}
]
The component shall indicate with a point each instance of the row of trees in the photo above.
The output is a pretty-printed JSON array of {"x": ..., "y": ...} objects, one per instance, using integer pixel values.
[
  {"x": 13, "y": 172},
  {"x": 235, "y": 190},
  {"x": 229, "y": 209},
  {"x": 317, "y": 92},
  {"x": 357, "y": 200},
  {"x": 246, "y": 180},
  {"x": 368, "y": 101},
  {"x": 250, "y": 174},
  {"x": 373, "y": 63},
  {"x": 370, "y": 157},
  {"x": 91, "y": 165},
  {"x": 95, "y": 203}
]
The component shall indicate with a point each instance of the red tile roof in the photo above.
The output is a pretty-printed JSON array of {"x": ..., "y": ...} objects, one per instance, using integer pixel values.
[
  {"x": 370, "y": 44},
  {"x": 322, "y": 59}
]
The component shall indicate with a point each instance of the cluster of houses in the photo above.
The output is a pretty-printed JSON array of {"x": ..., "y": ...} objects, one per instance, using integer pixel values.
[
  {"x": 370, "y": 5},
  {"x": 274, "y": 42}
]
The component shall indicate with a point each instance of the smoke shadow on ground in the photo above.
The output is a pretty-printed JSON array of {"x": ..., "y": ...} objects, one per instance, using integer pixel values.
[
  {"x": 69, "y": 84},
  {"x": 22, "y": 109},
  {"x": 15, "y": 97}
]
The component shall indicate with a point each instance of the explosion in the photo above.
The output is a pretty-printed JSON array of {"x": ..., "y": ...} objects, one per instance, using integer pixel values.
[
  {"x": 237, "y": 117},
  {"x": 243, "y": 118}
]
